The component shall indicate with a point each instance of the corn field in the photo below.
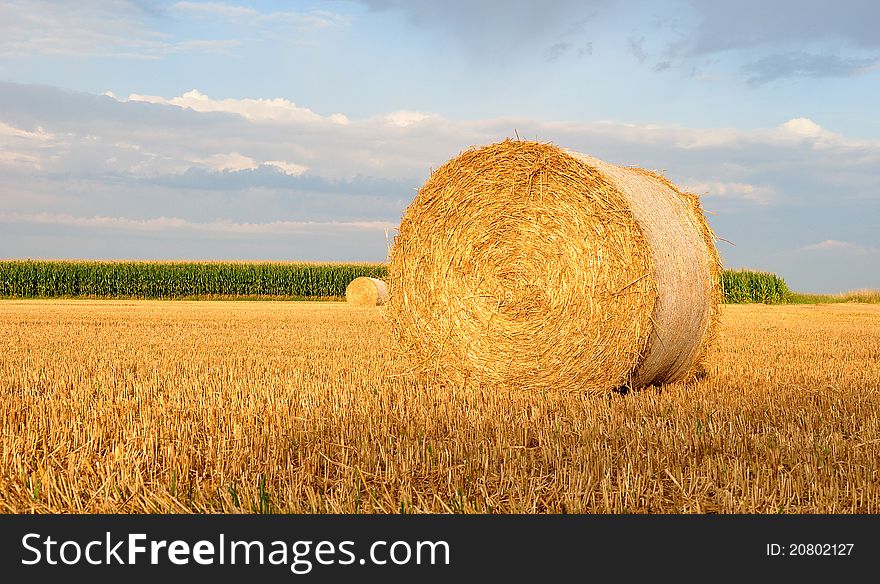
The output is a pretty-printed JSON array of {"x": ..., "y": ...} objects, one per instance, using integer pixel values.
[
  {"x": 745, "y": 286},
  {"x": 174, "y": 280},
  {"x": 169, "y": 280}
]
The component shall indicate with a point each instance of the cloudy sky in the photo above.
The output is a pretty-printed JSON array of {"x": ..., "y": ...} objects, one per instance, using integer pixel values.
[{"x": 302, "y": 130}]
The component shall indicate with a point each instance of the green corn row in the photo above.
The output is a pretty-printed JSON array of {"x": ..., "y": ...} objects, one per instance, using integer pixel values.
[
  {"x": 744, "y": 286},
  {"x": 168, "y": 280}
]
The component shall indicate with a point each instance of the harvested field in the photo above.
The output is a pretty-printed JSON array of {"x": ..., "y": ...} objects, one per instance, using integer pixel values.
[{"x": 151, "y": 406}]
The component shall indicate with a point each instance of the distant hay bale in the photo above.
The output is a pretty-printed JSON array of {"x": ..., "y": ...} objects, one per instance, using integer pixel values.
[
  {"x": 524, "y": 265},
  {"x": 366, "y": 291}
]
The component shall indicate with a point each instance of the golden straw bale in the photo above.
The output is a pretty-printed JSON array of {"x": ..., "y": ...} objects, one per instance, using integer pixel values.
[
  {"x": 520, "y": 264},
  {"x": 364, "y": 291}
]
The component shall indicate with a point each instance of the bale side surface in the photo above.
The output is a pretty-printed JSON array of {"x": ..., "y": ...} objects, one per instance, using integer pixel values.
[
  {"x": 684, "y": 270},
  {"x": 716, "y": 295},
  {"x": 365, "y": 291}
]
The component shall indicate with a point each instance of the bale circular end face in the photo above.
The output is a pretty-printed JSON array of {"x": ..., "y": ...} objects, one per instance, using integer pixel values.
[
  {"x": 365, "y": 291},
  {"x": 524, "y": 265}
]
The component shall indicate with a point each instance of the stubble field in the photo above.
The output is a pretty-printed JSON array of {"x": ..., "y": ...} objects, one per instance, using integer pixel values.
[{"x": 152, "y": 406}]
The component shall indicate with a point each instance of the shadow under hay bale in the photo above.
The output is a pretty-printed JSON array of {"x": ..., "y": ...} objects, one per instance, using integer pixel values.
[{"x": 521, "y": 264}]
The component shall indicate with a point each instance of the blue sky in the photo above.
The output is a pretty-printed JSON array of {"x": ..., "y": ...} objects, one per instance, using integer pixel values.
[{"x": 270, "y": 130}]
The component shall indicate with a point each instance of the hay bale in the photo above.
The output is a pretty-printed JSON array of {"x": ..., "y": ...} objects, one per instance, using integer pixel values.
[
  {"x": 365, "y": 291},
  {"x": 524, "y": 265}
]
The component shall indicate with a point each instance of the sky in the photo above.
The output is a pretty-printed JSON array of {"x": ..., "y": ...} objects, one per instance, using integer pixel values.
[{"x": 302, "y": 130}]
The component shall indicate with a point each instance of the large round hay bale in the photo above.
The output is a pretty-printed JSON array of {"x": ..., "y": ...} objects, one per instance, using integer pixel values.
[
  {"x": 524, "y": 265},
  {"x": 364, "y": 291}
]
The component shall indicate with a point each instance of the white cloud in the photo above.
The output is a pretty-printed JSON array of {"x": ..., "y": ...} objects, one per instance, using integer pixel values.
[
  {"x": 214, "y": 46},
  {"x": 47, "y": 28},
  {"x": 654, "y": 134},
  {"x": 828, "y": 244},
  {"x": 258, "y": 110},
  {"x": 316, "y": 19},
  {"x": 178, "y": 224},
  {"x": 404, "y": 118},
  {"x": 24, "y": 149},
  {"x": 234, "y": 161},
  {"x": 19, "y": 159},
  {"x": 805, "y": 130},
  {"x": 405, "y": 144},
  {"x": 121, "y": 29},
  {"x": 313, "y": 19},
  {"x": 803, "y": 127},
  {"x": 737, "y": 190},
  {"x": 288, "y": 168},
  {"x": 223, "y": 162},
  {"x": 792, "y": 132},
  {"x": 117, "y": 160},
  {"x": 7, "y": 131},
  {"x": 841, "y": 246},
  {"x": 217, "y": 9},
  {"x": 115, "y": 29}
]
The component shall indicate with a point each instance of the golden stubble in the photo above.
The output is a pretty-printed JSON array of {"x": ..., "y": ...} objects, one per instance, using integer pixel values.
[{"x": 158, "y": 407}]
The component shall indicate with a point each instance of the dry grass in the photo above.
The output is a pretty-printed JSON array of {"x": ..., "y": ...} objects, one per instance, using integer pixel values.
[
  {"x": 863, "y": 295},
  {"x": 137, "y": 406}
]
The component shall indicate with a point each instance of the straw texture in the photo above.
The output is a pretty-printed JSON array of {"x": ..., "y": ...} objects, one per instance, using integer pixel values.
[
  {"x": 364, "y": 291},
  {"x": 523, "y": 265}
]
